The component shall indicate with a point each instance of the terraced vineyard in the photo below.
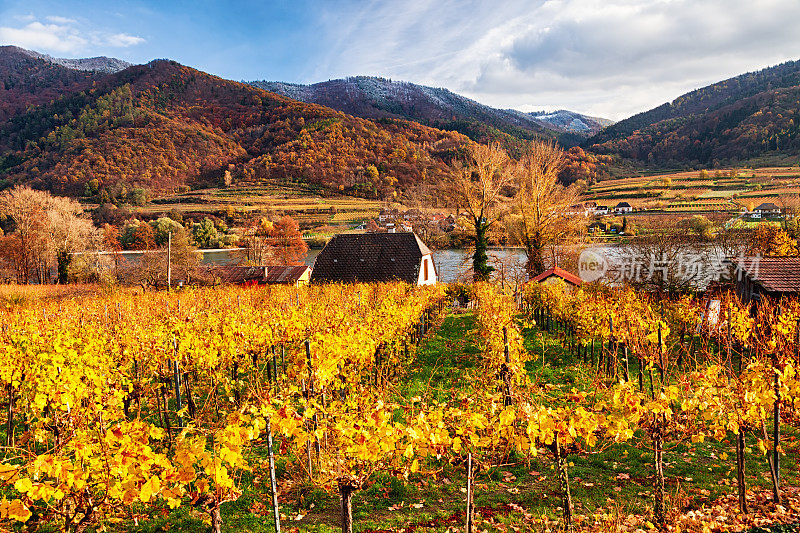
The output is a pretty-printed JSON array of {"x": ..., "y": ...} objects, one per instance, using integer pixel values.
[{"x": 715, "y": 190}]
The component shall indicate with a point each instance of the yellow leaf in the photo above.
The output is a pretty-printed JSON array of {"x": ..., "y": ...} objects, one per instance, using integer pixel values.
[
  {"x": 415, "y": 466},
  {"x": 151, "y": 487},
  {"x": 18, "y": 511},
  {"x": 409, "y": 453},
  {"x": 507, "y": 417},
  {"x": 457, "y": 444},
  {"x": 23, "y": 485}
]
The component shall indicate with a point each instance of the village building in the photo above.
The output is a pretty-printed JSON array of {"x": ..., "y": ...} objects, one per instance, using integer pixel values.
[
  {"x": 623, "y": 207},
  {"x": 757, "y": 277},
  {"x": 375, "y": 257},
  {"x": 245, "y": 276},
  {"x": 556, "y": 274},
  {"x": 766, "y": 209}
]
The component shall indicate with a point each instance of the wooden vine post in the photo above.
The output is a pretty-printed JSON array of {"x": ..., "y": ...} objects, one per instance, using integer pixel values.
[
  {"x": 563, "y": 478},
  {"x": 658, "y": 440},
  {"x": 776, "y": 432},
  {"x": 741, "y": 487},
  {"x": 505, "y": 371},
  {"x": 10, "y": 420},
  {"x": 347, "y": 487},
  {"x": 470, "y": 510},
  {"x": 273, "y": 481},
  {"x": 177, "y": 380}
]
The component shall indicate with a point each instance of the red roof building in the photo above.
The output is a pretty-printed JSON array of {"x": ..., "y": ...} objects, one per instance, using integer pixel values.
[
  {"x": 259, "y": 275},
  {"x": 767, "y": 276},
  {"x": 551, "y": 275}
]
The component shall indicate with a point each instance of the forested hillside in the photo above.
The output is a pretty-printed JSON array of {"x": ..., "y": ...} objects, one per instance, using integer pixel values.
[
  {"x": 163, "y": 126},
  {"x": 733, "y": 120},
  {"x": 27, "y": 80},
  {"x": 374, "y": 97}
]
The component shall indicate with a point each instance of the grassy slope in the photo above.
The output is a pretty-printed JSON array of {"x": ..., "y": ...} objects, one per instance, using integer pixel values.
[{"x": 616, "y": 480}]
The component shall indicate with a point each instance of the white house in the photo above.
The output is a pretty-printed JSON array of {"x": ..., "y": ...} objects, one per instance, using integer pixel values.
[{"x": 623, "y": 207}]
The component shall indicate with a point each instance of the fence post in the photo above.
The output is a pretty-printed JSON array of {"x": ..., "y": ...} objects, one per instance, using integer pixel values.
[
  {"x": 273, "y": 481},
  {"x": 177, "y": 378}
]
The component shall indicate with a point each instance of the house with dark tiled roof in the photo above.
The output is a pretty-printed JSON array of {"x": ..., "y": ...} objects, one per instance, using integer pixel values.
[
  {"x": 259, "y": 275},
  {"x": 623, "y": 207},
  {"x": 756, "y": 277},
  {"x": 767, "y": 209},
  {"x": 375, "y": 257},
  {"x": 556, "y": 274}
]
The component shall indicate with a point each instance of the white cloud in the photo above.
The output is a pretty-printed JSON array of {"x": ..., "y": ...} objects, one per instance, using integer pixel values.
[
  {"x": 61, "y": 20},
  {"x": 44, "y": 37},
  {"x": 605, "y": 57},
  {"x": 123, "y": 39},
  {"x": 61, "y": 35}
]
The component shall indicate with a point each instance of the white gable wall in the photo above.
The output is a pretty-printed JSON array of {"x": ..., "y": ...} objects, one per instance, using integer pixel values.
[{"x": 421, "y": 280}]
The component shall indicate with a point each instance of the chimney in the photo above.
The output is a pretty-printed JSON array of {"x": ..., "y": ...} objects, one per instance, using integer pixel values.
[{"x": 265, "y": 272}]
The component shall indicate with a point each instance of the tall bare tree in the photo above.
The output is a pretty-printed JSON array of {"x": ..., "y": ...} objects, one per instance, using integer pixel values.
[
  {"x": 477, "y": 188},
  {"x": 46, "y": 228},
  {"x": 543, "y": 202},
  {"x": 69, "y": 232},
  {"x": 27, "y": 209}
]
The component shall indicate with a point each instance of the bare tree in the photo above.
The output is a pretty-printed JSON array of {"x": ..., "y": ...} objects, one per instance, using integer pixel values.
[
  {"x": 477, "y": 188},
  {"x": 27, "y": 209},
  {"x": 69, "y": 232},
  {"x": 543, "y": 203}
]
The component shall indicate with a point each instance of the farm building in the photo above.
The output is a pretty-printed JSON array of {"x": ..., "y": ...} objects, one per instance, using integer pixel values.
[
  {"x": 554, "y": 274},
  {"x": 766, "y": 209},
  {"x": 296, "y": 275},
  {"x": 375, "y": 257},
  {"x": 623, "y": 207},
  {"x": 767, "y": 276}
]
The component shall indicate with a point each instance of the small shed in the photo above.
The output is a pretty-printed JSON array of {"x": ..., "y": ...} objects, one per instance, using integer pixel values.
[
  {"x": 552, "y": 275},
  {"x": 756, "y": 277},
  {"x": 375, "y": 257}
]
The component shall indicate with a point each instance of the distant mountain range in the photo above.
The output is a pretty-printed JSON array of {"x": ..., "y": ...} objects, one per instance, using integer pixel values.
[
  {"x": 97, "y": 64},
  {"x": 101, "y": 127},
  {"x": 376, "y": 98},
  {"x": 755, "y": 115},
  {"x": 163, "y": 126}
]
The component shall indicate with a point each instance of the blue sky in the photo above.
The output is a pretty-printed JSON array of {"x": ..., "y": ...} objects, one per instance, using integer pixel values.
[{"x": 610, "y": 58}]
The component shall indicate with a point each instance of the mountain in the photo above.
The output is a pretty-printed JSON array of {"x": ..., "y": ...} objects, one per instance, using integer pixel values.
[
  {"x": 97, "y": 64},
  {"x": 570, "y": 121},
  {"x": 749, "y": 116},
  {"x": 27, "y": 79},
  {"x": 376, "y": 98},
  {"x": 163, "y": 126}
]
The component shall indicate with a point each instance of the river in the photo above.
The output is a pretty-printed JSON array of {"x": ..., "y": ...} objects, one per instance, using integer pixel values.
[{"x": 454, "y": 264}]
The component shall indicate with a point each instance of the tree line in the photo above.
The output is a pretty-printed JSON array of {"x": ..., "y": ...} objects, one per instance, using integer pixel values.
[{"x": 51, "y": 239}]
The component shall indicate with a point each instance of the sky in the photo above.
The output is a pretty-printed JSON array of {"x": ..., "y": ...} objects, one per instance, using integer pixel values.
[{"x": 607, "y": 58}]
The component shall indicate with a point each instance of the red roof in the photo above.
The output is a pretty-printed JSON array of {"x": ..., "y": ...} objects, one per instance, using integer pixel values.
[
  {"x": 775, "y": 274},
  {"x": 569, "y": 277},
  {"x": 256, "y": 274},
  {"x": 285, "y": 274}
]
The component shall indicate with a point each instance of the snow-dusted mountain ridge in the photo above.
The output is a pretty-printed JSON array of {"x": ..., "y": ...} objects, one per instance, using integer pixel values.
[{"x": 375, "y": 97}]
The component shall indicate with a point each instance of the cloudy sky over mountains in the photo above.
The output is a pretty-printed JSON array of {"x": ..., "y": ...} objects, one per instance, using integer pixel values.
[{"x": 610, "y": 58}]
